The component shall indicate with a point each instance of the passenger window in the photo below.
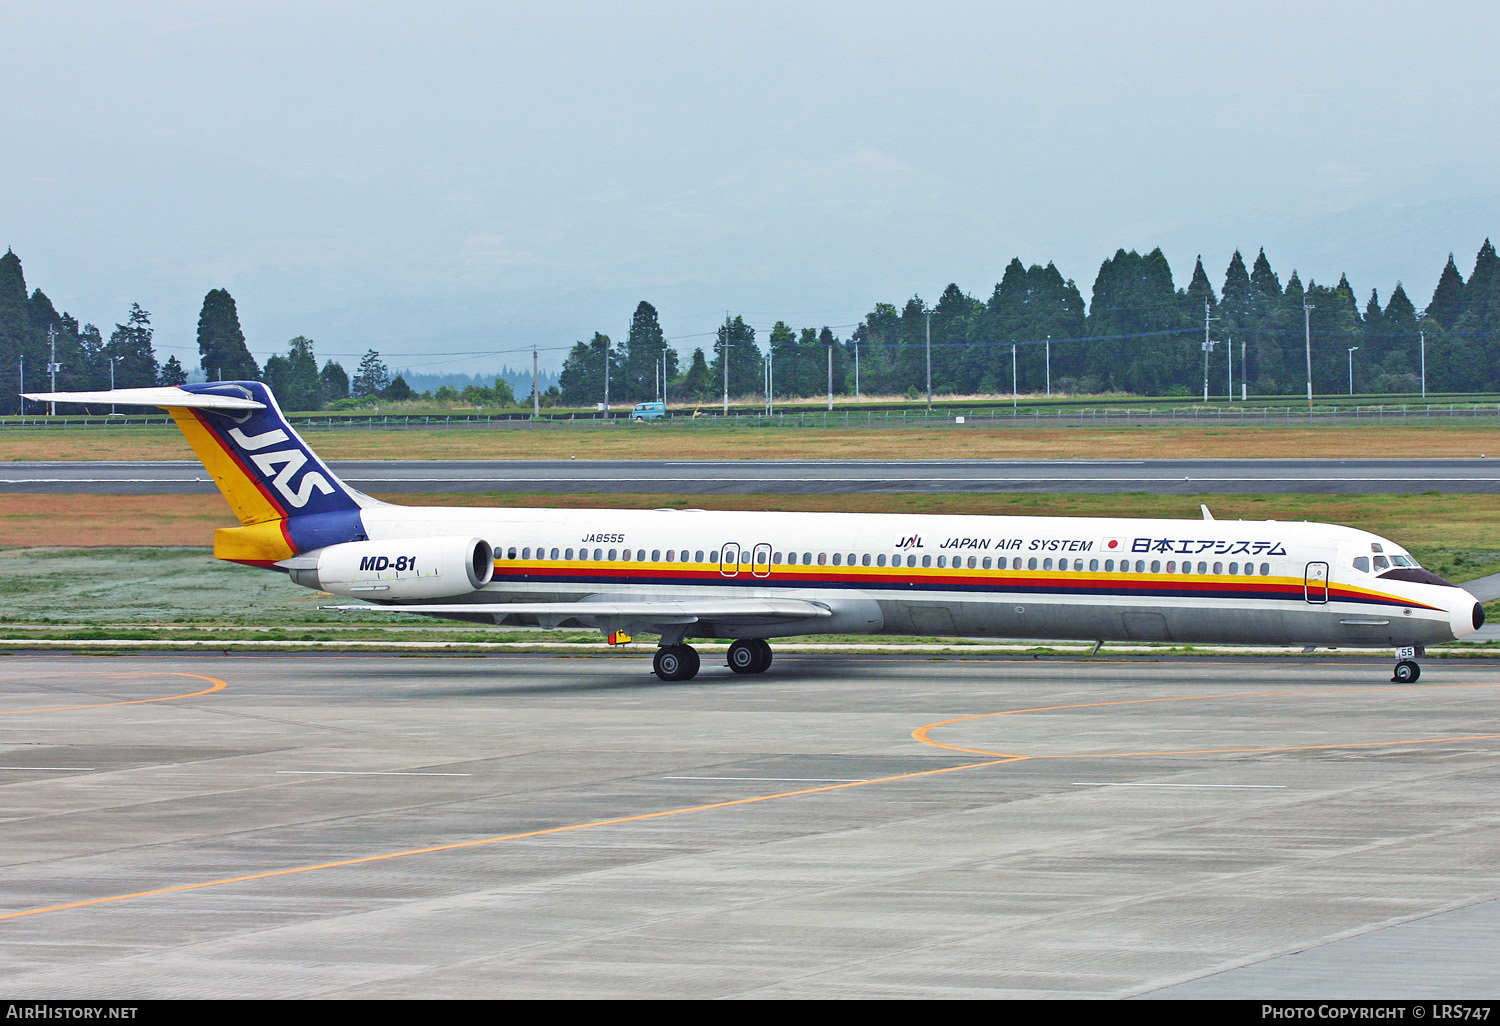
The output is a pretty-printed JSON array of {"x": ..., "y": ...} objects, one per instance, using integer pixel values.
[
  {"x": 942, "y": 561},
  {"x": 1047, "y": 563},
  {"x": 822, "y": 559},
  {"x": 698, "y": 556},
  {"x": 986, "y": 562},
  {"x": 880, "y": 560},
  {"x": 1031, "y": 563},
  {"x": 1265, "y": 569},
  {"x": 865, "y": 561},
  {"x": 1203, "y": 568},
  {"x": 1140, "y": 566},
  {"x": 1109, "y": 566},
  {"x": 1171, "y": 566},
  {"x": 973, "y": 562},
  {"x": 598, "y": 555},
  {"x": 1218, "y": 568},
  {"x": 613, "y": 555},
  {"x": 512, "y": 553},
  {"x": 1093, "y": 564},
  {"x": 837, "y": 559},
  {"x": 1234, "y": 568},
  {"x": 1155, "y": 566},
  {"x": 911, "y": 560},
  {"x": 554, "y": 553}
]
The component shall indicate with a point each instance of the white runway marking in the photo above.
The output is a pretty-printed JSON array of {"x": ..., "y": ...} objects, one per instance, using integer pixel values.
[
  {"x": 369, "y": 773},
  {"x": 1096, "y": 783},
  {"x": 794, "y": 780}
]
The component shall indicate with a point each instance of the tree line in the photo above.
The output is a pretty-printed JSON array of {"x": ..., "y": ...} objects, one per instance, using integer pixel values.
[{"x": 1138, "y": 333}]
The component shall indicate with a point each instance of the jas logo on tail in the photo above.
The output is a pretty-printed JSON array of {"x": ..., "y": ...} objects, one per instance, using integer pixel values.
[{"x": 289, "y": 460}]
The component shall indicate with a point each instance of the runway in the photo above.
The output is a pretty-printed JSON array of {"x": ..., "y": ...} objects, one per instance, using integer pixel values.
[
  {"x": 389, "y": 827},
  {"x": 1174, "y": 477}
]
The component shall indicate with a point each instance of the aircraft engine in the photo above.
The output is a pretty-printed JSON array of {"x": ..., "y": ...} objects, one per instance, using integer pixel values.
[{"x": 402, "y": 568}]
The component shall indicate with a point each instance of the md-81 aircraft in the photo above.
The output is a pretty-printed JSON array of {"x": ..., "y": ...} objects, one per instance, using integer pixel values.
[{"x": 685, "y": 574}]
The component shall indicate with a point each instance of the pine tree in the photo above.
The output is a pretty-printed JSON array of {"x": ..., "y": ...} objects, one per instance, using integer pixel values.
[
  {"x": 172, "y": 373},
  {"x": 640, "y": 365},
  {"x": 736, "y": 339},
  {"x": 1447, "y": 302},
  {"x": 582, "y": 377},
  {"x": 334, "y": 381},
  {"x": 785, "y": 357},
  {"x": 371, "y": 377},
  {"x": 129, "y": 348},
  {"x": 294, "y": 377},
  {"x": 221, "y": 344},
  {"x": 15, "y": 328},
  {"x": 1237, "y": 304}
]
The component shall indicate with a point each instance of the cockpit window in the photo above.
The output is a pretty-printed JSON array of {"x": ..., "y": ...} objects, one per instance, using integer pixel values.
[
  {"x": 1362, "y": 564},
  {"x": 1403, "y": 561},
  {"x": 1381, "y": 563}
]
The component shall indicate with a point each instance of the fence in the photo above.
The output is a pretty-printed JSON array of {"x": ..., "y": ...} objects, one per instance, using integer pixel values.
[{"x": 922, "y": 417}]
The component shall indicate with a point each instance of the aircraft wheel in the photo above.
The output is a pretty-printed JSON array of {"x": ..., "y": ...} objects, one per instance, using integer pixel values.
[
  {"x": 744, "y": 657},
  {"x": 675, "y": 662},
  {"x": 763, "y": 649},
  {"x": 1407, "y": 672}
]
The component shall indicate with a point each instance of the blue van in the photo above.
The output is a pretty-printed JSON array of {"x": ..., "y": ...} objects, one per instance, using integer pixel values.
[{"x": 648, "y": 411}]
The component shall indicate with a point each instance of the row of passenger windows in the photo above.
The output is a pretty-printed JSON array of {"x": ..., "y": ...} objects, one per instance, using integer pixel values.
[{"x": 1124, "y": 566}]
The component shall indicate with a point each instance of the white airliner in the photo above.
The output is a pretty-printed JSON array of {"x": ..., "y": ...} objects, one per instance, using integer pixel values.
[{"x": 686, "y": 574}]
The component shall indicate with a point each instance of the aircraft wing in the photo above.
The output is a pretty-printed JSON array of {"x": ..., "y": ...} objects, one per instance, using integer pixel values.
[
  {"x": 641, "y": 614},
  {"x": 163, "y": 395}
]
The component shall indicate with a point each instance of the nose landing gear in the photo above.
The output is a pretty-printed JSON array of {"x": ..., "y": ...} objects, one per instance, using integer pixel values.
[{"x": 1407, "y": 670}]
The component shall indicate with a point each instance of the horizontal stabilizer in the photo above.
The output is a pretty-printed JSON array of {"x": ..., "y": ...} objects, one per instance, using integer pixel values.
[{"x": 165, "y": 395}]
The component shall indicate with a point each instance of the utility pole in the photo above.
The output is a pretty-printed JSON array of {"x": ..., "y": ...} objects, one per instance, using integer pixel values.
[
  {"x": 1423, "y": 336},
  {"x": 1229, "y": 366},
  {"x": 1351, "y": 368},
  {"x": 830, "y": 375},
  {"x": 52, "y": 365},
  {"x": 725, "y": 354},
  {"x": 856, "y": 368},
  {"x": 1049, "y": 366},
  {"x": 929, "y": 359},
  {"x": 23, "y": 384},
  {"x": 536, "y": 387},
  {"x": 1307, "y": 328},
  {"x": 1208, "y": 347},
  {"x": 1244, "y": 379},
  {"x": 606, "y": 378},
  {"x": 768, "y": 376},
  {"x": 1013, "y": 394},
  {"x": 112, "y": 360}
]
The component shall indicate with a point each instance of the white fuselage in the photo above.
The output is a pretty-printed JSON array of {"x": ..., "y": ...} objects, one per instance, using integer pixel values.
[{"x": 1255, "y": 582}]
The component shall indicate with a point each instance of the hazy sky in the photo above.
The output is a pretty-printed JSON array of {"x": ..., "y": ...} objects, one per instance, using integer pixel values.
[{"x": 436, "y": 180}]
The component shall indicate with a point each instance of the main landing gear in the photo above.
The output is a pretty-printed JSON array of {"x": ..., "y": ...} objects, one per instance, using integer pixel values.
[
  {"x": 676, "y": 662},
  {"x": 681, "y": 662},
  {"x": 749, "y": 655}
]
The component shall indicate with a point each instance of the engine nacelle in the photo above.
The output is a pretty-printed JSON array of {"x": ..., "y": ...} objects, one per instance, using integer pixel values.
[{"x": 402, "y": 568}]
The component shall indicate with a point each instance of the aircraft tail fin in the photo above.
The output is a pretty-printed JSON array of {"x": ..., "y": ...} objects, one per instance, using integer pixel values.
[{"x": 286, "y": 498}]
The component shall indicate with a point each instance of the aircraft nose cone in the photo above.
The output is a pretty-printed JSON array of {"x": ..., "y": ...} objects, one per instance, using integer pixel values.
[{"x": 1464, "y": 619}]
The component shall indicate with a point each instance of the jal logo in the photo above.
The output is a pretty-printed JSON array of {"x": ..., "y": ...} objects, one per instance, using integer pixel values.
[
  {"x": 914, "y": 542},
  {"x": 281, "y": 466}
]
